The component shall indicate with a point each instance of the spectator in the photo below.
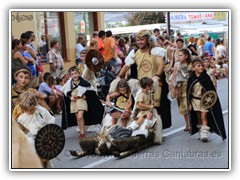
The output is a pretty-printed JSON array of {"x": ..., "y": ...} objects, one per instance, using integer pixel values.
[
  {"x": 101, "y": 37},
  {"x": 79, "y": 47},
  {"x": 31, "y": 63},
  {"x": 209, "y": 46},
  {"x": 55, "y": 59},
  {"x": 110, "y": 50},
  {"x": 94, "y": 44},
  {"x": 45, "y": 89},
  {"x": 156, "y": 33},
  {"x": 95, "y": 34},
  {"x": 17, "y": 58}
]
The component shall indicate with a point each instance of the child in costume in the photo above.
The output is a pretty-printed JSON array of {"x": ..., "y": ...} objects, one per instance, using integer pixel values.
[
  {"x": 144, "y": 104},
  {"x": 210, "y": 71},
  {"x": 123, "y": 101},
  {"x": 83, "y": 59},
  {"x": 85, "y": 73},
  {"x": 205, "y": 120},
  {"x": 33, "y": 118},
  {"x": 22, "y": 75},
  {"x": 179, "y": 79},
  {"x": 75, "y": 88}
]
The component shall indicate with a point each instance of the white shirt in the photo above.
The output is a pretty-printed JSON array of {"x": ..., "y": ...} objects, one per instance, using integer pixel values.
[
  {"x": 79, "y": 48},
  {"x": 221, "y": 50}
]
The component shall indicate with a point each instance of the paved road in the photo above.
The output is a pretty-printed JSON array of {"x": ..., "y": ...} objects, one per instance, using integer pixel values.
[{"x": 179, "y": 150}]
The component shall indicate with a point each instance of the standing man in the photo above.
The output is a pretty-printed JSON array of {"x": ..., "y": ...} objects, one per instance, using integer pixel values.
[
  {"x": 209, "y": 46},
  {"x": 110, "y": 50},
  {"x": 150, "y": 63},
  {"x": 55, "y": 59},
  {"x": 101, "y": 37}
]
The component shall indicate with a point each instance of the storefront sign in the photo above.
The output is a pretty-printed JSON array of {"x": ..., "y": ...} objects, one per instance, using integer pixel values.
[{"x": 22, "y": 17}]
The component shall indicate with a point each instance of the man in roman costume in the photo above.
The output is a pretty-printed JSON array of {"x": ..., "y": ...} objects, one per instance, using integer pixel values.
[{"x": 150, "y": 63}]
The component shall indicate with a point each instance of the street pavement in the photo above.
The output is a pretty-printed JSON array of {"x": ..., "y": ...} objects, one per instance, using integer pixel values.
[{"x": 179, "y": 150}]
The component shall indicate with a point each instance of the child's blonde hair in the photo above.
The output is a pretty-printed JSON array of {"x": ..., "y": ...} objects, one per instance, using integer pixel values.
[{"x": 27, "y": 99}]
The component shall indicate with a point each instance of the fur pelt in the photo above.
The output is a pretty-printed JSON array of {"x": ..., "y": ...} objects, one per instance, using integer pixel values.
[
  {"x": 113, "y": 85},
  {"x": 90, "y": 77},
  {"x": 156, "y": 126},
  {"x": 156, "y": 51}
]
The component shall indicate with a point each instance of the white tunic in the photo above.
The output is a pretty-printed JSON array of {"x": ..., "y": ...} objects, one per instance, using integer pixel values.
[{"x": 34, "y": 122}]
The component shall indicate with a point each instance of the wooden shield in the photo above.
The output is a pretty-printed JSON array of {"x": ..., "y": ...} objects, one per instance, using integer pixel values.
[
  {"x": 50, "y": 141},
  {"x": 94, "y": 60},
  {"x": 208, "y": 99}
]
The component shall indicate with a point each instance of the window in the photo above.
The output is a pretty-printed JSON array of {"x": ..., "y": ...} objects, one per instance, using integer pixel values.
[
  {"x": 51, "y": 25},
  {"x": 83, "y": 19}
]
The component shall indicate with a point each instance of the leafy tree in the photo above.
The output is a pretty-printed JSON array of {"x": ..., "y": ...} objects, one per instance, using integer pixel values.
[
  {"x": 142, "y": 18},
  {"x": 115, "y": 24}
]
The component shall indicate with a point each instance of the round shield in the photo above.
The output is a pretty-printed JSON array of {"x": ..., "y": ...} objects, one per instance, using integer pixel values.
[
  {"x": 50, "y": 141},
  {"x": 208, "y": 99},
  {"x": 94, "y": 60}
]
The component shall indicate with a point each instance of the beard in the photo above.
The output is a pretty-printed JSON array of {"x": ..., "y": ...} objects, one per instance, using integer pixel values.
[{"x": 142, "y": 46}]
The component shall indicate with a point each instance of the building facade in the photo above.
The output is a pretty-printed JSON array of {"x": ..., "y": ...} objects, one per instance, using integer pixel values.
[{"x": 63, "y": 26}]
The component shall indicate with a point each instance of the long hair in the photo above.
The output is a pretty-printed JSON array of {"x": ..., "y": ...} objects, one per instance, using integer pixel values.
[
  {"x": 186, "y": 52},
  {"x": 146, "y": 34},
  {"x": 123, "y": 84},
  {"x": 15, "y": 43}
]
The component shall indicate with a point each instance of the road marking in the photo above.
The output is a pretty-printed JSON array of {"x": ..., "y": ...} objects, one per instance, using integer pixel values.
[
  {"x": 181, "y": 128},
  {"x": 106, "y": 159},
  {"x": 173, "y": 131},
  {"x": 225, "y": 112}
]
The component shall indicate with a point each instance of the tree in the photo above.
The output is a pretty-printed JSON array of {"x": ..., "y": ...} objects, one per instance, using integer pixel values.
[
  {"x": 142, "y": 18},
  {"x": 114, "y": 24}
]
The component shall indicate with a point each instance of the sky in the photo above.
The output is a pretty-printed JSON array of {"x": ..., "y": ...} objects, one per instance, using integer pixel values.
[{"x": 139, "y": 4}]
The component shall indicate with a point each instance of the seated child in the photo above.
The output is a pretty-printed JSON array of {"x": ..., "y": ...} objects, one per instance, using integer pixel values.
[
  {"x": 58, "y": 95},
  {"x": 33, "y": 119},
  {"x": 144, "y": 103},
  {"x": 123, "y": 101}
]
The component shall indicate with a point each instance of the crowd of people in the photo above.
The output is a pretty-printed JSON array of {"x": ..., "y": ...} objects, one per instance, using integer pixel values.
[{"x": 162, "y": 67}]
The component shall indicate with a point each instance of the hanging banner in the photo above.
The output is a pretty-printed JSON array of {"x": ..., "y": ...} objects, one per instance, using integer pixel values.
[{"x": 184, "y": 17}]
